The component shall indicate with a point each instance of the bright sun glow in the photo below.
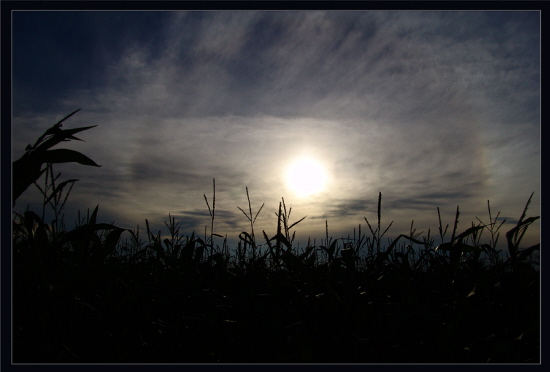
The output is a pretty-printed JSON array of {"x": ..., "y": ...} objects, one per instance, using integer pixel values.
[{"x": 306, "y": 176}]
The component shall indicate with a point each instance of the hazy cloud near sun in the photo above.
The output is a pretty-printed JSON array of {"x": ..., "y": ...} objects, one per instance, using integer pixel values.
[{"x": 412, "y": 104}]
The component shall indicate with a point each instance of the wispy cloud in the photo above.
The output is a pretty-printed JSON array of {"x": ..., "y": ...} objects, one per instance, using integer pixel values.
[{"x": 431, "y": 108}]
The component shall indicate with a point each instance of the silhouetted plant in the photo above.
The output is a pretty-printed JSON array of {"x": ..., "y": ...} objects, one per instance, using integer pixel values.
[
  {"x": 28, "y": 169},
  {"x": 250, "y": 239}
]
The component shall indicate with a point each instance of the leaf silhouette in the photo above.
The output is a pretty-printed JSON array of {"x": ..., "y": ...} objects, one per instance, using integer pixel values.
[
  {"x": 27, "y": 169},
  {"x": 469, "y": 231},
  {"x": 59, "y": 189},
  {"x": 62, "y": 135},
  {"x": 67, "y": 156}
]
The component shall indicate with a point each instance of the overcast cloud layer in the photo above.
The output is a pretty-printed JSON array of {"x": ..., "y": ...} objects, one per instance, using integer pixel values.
[{"x": 433, "y": 109}]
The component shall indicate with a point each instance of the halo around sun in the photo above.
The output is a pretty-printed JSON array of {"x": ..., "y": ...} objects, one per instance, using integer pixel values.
[{"x": 306, "y": 177}]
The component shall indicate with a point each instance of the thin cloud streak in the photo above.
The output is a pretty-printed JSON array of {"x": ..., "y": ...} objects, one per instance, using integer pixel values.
[{"x": 430, "y": 108}]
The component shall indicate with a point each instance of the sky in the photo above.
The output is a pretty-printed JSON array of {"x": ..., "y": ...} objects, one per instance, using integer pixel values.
[{"x": 430, "y": 108}]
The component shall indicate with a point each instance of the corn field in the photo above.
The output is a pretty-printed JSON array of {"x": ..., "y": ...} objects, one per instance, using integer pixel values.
[{"x": 99, "y": 293}]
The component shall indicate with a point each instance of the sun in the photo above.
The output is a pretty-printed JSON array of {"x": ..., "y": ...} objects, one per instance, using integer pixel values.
[{"x": 306, "y": 176}]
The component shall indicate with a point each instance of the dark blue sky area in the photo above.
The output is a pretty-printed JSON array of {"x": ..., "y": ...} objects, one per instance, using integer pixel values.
[{"x": 70, "y": 50}]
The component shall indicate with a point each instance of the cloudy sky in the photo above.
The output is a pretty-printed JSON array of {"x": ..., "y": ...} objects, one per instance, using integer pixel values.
[{"x": 433, "y": 109}]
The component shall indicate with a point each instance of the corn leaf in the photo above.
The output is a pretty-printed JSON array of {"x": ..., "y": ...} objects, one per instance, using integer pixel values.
[
  {"x": 513, "y": 245},
  {"x": 60, "y": 136},
  {"x": 457, "y": 247},
  {"x": 94, "y": 216},
  {"x": 524, "y": 254},
  {"x": 469, "y": 231},
  {"x": 245, "y": 237},
  {"x": 67, "y": 156},
  {"x": 111, "y": 241},
  {"x": 59, "y": 188},
  {"x": 384, "y": 255},
  {"x": 281, "y": 238},
  {"x": 297, "y": 222}
]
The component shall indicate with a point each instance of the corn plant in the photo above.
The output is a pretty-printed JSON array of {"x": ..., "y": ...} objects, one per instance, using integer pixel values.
[
  {"x": 376, "y": 234},
  {"x": 210, "y": 239},
  {"x": 493, "y": 255},
  {"x": 282, "y": 252},
  {"x": 93, "y": 241},
  {"x": 246, "y": 238},
  {"x": 28, "y": 168},
  {"x": 84, "y": 239},
  {"x": 515, "y": 235},
  {"x": 38, "y": 160}
]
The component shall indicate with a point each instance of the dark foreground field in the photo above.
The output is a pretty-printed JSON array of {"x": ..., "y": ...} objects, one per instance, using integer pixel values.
[
  {"x": 140, "y": 308},
  {"x": 102, "y": 294}
]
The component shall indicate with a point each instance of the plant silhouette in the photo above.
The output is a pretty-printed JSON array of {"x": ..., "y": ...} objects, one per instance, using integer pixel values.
[{"x": 28, "y": 168}]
